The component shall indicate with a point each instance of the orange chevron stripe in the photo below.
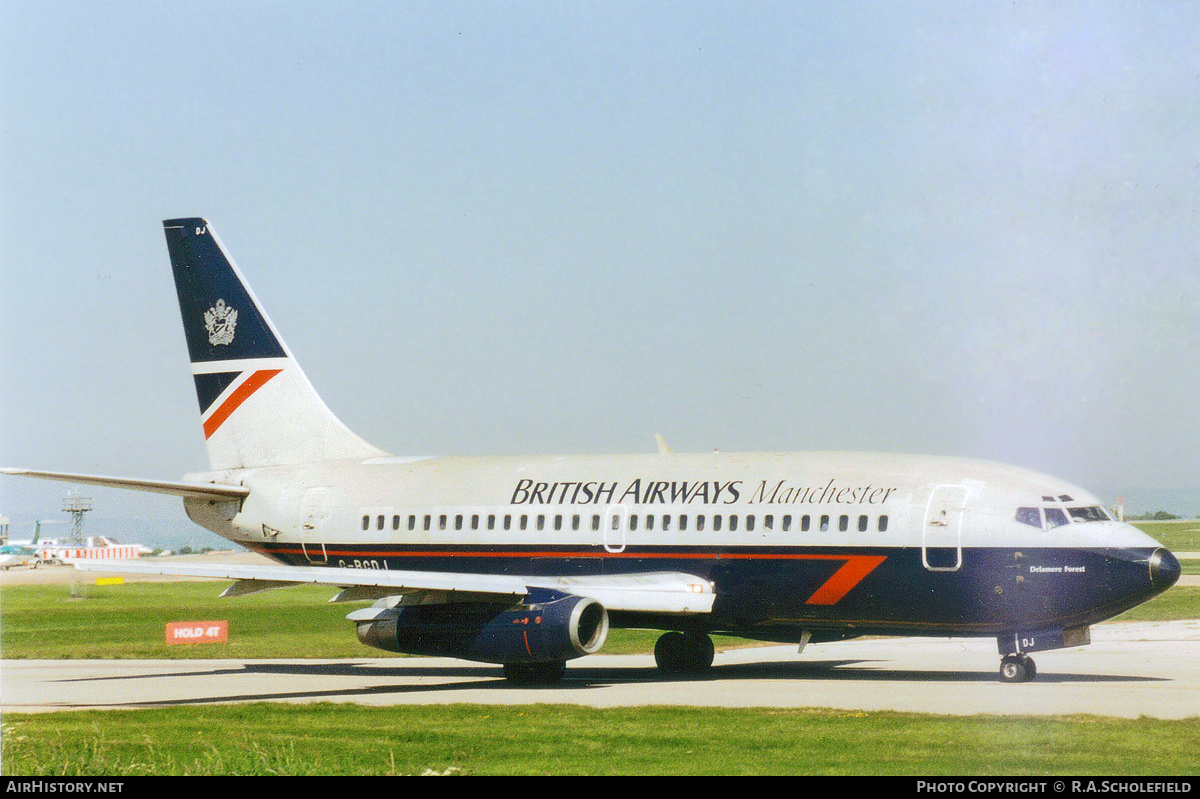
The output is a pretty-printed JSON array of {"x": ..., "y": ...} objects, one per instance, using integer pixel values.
[
  {"x": 240, "y": 395},
  {"x": 851, "y": 574}
]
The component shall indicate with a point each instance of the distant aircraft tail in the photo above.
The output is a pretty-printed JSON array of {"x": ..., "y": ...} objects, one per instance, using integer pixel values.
[{"x": 257, "y": 407}]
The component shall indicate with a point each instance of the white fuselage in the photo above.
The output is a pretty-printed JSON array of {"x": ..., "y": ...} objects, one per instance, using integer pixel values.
[{"x": 614, "y": 503}]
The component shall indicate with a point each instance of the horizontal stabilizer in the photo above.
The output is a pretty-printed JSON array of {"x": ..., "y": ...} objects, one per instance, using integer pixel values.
[{"x": 174, "y": 487}]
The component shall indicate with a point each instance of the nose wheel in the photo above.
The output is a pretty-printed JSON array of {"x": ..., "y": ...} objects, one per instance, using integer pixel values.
[{"x": 1017, "y": 668}]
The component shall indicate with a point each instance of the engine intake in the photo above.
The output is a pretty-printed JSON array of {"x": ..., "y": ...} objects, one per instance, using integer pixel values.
[{"x": 548, "y": 625}]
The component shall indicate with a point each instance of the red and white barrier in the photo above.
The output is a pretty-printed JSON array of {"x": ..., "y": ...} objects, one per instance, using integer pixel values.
[{"x": 68, "y": 554}]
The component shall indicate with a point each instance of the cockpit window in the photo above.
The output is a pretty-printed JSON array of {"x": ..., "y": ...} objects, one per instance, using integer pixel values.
[
  {"x": 1030, "y": 516},
  {"x": 1055, "y": 518},
  {"x": 1093, "y": 514}
]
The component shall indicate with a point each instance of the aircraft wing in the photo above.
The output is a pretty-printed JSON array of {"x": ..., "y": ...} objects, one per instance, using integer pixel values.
[{"x": 659, "y": 592}]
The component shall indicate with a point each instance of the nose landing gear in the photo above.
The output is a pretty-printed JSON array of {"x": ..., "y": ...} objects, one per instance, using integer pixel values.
[{"x": 1017, "y": 668}]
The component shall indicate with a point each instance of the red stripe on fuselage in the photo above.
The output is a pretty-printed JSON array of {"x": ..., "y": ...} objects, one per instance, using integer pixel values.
[{"x": 240, "y": 395}]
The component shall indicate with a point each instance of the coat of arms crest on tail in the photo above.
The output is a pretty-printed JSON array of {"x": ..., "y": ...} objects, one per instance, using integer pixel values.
[{"x": 220, "y": 321}]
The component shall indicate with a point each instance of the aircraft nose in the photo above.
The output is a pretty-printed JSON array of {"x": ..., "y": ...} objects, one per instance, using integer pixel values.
[{"x": 1164, "y": 568}]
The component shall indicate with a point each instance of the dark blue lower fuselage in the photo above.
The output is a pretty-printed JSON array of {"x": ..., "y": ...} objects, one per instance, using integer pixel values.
[{"x": 774, "y": 593}]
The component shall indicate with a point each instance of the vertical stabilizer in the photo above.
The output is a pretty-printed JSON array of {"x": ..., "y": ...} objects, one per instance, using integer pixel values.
[{"x": 256, "y": 406}]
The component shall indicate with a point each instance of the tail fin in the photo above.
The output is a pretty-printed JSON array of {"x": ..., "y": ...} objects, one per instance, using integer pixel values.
[{"x": 256, "y": 406}]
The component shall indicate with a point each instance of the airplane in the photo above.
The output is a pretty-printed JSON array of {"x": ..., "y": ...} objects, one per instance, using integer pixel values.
[
  {"x": 528, "y": 562},
  {"x": 21, "y": 553},
  {"x": 17, "y": 555}
]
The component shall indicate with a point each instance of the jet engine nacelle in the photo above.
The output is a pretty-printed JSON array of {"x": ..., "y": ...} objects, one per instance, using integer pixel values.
[{"x": 548, "y": 626}]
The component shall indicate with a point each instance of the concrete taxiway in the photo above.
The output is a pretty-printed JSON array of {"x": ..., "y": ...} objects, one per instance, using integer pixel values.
[{"x": 1129, "y": 670}]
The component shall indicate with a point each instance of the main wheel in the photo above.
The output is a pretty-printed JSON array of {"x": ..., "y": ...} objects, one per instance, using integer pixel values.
[
  {"x": 700, "y": 652},
  {"x": 683, "y": 653}
]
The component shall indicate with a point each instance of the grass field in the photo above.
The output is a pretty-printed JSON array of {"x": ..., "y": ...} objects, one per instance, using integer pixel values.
[
  {"x": 1177, "y": 536},
  {"x": 568, "y": 740}
]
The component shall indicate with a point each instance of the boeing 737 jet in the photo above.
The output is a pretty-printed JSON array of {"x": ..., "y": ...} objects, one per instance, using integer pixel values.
[{"x": 528, "y": 561}]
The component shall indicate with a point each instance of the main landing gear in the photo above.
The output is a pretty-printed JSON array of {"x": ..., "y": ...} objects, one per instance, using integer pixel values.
[
  {"x": 676, "y": 654},
  {"x": 679, "y": 653},
  {"x": 1017, "y": 668}
]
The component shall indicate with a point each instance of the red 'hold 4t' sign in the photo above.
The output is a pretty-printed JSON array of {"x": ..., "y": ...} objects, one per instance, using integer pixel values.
[{"x": 198, "y": 632}]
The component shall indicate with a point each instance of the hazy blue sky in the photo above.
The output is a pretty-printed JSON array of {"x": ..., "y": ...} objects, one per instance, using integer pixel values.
[{"x": 941, "y": 227}]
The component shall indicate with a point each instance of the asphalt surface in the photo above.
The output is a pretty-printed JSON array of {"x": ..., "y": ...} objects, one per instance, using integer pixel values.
[{"x": 1129, "y": 670}]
